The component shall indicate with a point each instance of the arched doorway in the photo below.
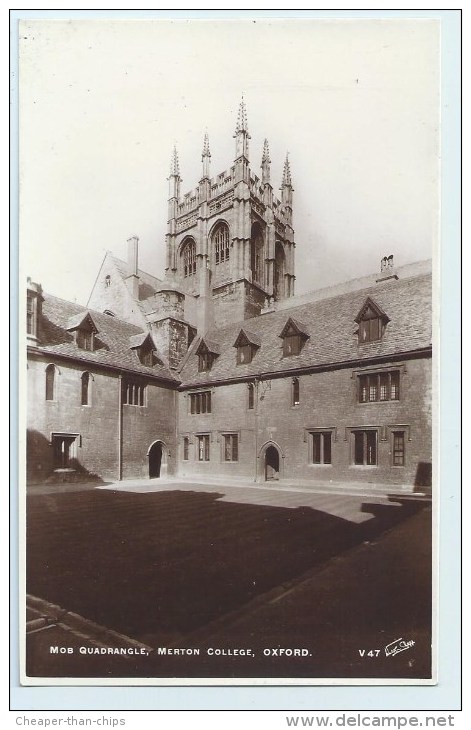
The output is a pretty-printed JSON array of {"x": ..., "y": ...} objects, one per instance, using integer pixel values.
[
  {"x": 157, "y": 455},
  {"x": 272, "y": 464}
]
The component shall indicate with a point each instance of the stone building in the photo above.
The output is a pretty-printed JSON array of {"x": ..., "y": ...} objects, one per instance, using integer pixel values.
[
  {"x": 335, "y": 389},
  {"x": 229, "y": 250},
  {"x": 219, "y": 369},
  {"x": 100, "y": 401}
]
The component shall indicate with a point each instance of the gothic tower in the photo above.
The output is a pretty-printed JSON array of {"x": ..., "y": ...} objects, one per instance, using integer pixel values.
[{"x": 230, "y": 241}]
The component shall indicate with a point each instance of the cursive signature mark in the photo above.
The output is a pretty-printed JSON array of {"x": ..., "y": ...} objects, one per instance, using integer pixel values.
[{"x": 397, "y": 646}]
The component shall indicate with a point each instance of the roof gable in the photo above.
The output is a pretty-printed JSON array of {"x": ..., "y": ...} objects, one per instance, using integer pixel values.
[
  {"x": 207, "y": 345},
  {"x": 294, "y": 327},
  {"x": 247, "y": 338},
  {"x": 116, "y": 337},
  {"x": 371, "y": 309},
  {"x": 144, "y": 339},
  {"x": 82, "y": 321},
  {"x": 333, "y": 339}
]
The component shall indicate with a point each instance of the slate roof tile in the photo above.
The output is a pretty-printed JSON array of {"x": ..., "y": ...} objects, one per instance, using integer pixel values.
[
  {"x": 244, "y": 333},
  {"x": 112, "y": 342},
  {"x": 331, "y": 327},
  {"x": 77, "y": 320},
  {"x": 148, "y": 284}
]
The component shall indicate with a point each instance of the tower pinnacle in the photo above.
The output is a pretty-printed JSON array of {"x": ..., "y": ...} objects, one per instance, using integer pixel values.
[
  {"x": 206, "y": 157},
  {"x": 286, "y": 182},
  {"x": 242, "y": 118},
  {"x": 287, "y": 190},
  {"x": 174, "y": 164},
  {"x": 174, "y": 179},
  {"x": 266, "y": 163},
  {"x": 266, "y": 152},
  {"x": 206, "y": 152},
  {"x": 242, "y": 135}
]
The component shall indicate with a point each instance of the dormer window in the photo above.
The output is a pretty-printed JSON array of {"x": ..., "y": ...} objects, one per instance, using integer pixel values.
[
  {"x": 205, "y": 361},
  {"x": 147, "y": 358},
  {"x": 84, "y": 328},
  {"x": 84, "y": 340},
  {"x": 247, "y": 345},
  {"x": 372, "y": 322},
  {"x": 244, "y": 354},
  {"x": 294, "y": 335},
  {"x": 144, "y": 347},
  {"x": 207, "y": 353},
  {"x": 291, "y": 345}
]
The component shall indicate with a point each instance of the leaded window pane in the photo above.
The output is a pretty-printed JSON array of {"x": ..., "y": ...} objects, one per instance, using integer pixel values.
[{"x": 398, "y": 448}]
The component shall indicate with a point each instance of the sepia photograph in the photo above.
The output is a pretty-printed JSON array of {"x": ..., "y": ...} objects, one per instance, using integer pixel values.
[{"x": 229, "y": 248}]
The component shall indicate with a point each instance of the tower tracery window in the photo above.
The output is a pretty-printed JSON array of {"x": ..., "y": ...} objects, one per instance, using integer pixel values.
[
  {"x": 256, "y": 254},
  {"x": 221, "y": 243},
  {"x": 279, "y": 271},
  {"x": 189, "y": 258}
]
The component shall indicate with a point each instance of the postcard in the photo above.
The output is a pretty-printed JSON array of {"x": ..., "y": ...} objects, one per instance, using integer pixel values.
[{"x": 229, "y": 271}]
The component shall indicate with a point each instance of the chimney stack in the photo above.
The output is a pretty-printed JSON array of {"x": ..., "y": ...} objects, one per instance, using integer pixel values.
[
  {"x": 133, "y": 278},
  {"x": 132, "y": 255},
  {"x": 387, "y": 269}
]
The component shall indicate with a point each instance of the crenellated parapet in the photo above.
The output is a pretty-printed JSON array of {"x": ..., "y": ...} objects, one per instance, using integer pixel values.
[{"x": 221, "y": 183}]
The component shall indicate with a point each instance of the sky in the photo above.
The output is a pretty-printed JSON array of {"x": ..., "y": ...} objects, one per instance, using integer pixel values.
[{"x": 102, "y": 103}]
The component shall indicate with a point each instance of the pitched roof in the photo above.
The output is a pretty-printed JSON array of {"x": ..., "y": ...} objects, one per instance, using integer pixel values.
[
  {"x": 148, "y": 284},
  {"x": 331, "y": 329},
  {"x": 112, "y": 343},
  {"x": 78, "y": 320},
  {"x": 294, "y": 324},
  {"x": 206, "y": 344},
  {"x": 246, "y": 336},
  {"x": 139, "y": 339},
  {"x": 371, "y": 304}
]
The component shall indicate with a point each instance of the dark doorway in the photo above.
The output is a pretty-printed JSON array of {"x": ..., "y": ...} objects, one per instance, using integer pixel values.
[
  {"x": 155, "y": 460},
  {"x": 272, "y": 464}
]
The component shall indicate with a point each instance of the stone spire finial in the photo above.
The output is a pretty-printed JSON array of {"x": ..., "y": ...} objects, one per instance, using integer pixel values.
[
  {"x": 286, "y": 173},
  {"x": 174, "y": 181},
  {"x": 206, "y": 157},
  {"x": 242, "y": 118},
  {"x": 206, "y": 152},
  {"x": 174, "y": 164},
  {"x": 242, "y": 135},
  {"x": 266, "y": 152},
  {"x": 266, "y": 163}
]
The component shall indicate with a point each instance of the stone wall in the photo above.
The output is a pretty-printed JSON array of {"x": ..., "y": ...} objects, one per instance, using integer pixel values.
[
  {"x": 327, "y": 401},
  {"x": 96, "y": 425}
]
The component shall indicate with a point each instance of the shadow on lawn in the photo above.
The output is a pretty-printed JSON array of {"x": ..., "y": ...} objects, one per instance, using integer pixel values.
[{"x": 163, "y": 564}]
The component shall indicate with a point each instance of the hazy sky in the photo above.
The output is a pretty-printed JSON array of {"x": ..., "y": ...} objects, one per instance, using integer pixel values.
[{"x": 102, "y": 102}]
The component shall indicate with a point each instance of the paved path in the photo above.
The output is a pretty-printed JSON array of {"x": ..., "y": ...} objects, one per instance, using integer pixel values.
[{"x": 158, "y": 561}]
